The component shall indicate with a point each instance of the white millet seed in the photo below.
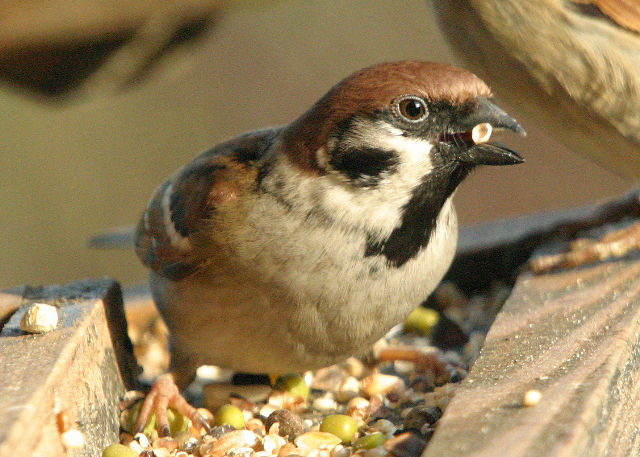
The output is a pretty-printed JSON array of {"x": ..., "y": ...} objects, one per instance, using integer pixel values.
[
  {"x": 72, "y": 439},
  {"x": 481, "y": 133},
  {"x": 39, "y": 318},
  {"x": 531, "y": 397}
]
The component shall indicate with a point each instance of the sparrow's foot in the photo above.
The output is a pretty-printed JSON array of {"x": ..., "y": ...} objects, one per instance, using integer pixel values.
[
  {"x": 423, "y": 361},
  {"x": 583, "y": 251},
  {"x": 165, "y": 394}
]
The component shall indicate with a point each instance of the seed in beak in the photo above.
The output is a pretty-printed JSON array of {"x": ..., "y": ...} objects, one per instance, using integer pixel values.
[{"x": 481, "y": 133}]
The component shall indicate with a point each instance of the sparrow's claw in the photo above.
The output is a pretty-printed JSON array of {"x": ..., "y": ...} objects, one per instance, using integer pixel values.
[
  {"x": 582, "y": 251},
  {"x": 423, "y": 361},
  {"x": 165, "y": 394}
]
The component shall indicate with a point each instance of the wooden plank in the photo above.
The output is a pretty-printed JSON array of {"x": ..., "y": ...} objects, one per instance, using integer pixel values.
[
  {"x": 574, "y": 336},
  {"x": 79, "y": 369}
]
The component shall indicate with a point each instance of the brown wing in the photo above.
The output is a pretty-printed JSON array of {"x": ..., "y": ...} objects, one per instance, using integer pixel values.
[
  {"x": 624, "y": 12},
  {"x": 181, "y": 207}
]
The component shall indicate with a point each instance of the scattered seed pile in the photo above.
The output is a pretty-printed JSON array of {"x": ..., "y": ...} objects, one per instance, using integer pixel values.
[{"x": 387, "y": 408}]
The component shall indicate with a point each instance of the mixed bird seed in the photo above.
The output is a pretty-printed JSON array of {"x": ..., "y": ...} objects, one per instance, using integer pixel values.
[{"x": 387, "y": 408}]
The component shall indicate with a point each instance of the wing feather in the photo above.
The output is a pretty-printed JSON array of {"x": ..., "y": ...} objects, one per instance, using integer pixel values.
[
  {"x": 625, "y": 13},
  {"x": 181, "y": 208}
]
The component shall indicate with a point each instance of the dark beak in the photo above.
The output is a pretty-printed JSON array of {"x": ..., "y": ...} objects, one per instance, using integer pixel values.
[
  {"x": 486, "y": 111},
  {"x": 488, "y": 153}
]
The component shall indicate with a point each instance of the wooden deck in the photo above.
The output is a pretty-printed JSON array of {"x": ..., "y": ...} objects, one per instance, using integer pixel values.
[
  {"x": 573, "y": 335},
  {"x": 78, "y": 371}
]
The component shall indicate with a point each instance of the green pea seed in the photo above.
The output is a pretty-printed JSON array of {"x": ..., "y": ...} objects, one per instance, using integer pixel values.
[
  {"x": 230, "y": 415},
  {"x": 118, "y": 450},
  {"x": 133, "y": 416},
  {"x": 177, "y": 422},
  {"x": 421, "y": 320},
  {"x": 344, "y": 427},
  {"x": 294, "y": 384},
  {"x": 370, "y": 441}
]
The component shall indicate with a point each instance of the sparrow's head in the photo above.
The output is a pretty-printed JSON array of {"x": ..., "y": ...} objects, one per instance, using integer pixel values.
[
  {"x": 399, "y": 112},
  {"x": 385, "y": 149}
]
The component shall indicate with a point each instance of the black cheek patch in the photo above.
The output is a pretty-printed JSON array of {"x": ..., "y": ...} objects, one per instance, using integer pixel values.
[{"x": 364, "y": 166}]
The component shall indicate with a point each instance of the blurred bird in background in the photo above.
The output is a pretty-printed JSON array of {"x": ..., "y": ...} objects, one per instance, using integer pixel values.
[{"x": 573, "y": 67}]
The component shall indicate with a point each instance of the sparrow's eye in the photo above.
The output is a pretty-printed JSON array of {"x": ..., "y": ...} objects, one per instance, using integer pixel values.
[{"x": 412, "y": 109}]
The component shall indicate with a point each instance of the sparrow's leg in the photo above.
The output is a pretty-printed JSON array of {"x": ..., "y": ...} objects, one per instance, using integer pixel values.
[
  {"x": 583, "y": 251},
  {"x": 165, "y": 393},
  {"x": 423, "y": 361}
]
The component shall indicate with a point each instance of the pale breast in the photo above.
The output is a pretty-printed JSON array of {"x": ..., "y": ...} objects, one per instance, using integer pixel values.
[{"x": 300, "y": 294}]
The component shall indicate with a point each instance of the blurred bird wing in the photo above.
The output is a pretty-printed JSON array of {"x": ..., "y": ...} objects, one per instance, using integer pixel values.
[
  {"x": 178, "y": 218},
  {"x": 575, "y": 73},
  {"x": 113, "y": 238},
  {"x": 624, "y": 12}
]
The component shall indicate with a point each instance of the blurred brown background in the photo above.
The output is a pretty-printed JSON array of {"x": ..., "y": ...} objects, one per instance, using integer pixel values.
[{"x": 73, "y": 165}]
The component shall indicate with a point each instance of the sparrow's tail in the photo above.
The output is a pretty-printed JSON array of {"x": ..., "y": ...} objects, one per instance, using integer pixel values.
[{"x": 113, "y": 238}]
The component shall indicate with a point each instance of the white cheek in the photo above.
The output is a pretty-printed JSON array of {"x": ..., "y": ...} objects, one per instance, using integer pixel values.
[
  {"x": 380, "y": 135},
  {"x": 378, "y": 209},
  {"x": 410, "y": 149},
  {"x": 322, "y": 158},
  {"x": 177, "y": 240}
]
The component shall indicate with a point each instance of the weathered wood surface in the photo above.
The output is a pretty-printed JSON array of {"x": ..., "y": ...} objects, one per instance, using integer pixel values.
[
  {"x": 80, "y": 369},
  {"x": 573, "y": 335}
]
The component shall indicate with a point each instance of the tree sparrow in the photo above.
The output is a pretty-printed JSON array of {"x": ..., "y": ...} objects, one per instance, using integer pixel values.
[
  {"x": 292, "y": 248},
  {"x": 573, "y": 68}
]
